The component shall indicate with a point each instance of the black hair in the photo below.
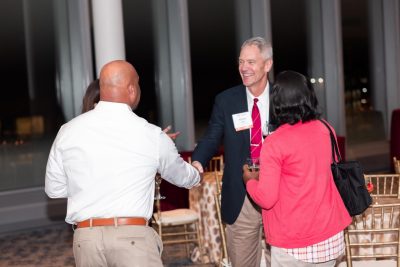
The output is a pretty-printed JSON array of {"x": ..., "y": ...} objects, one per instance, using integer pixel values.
[{"x": 293, "y": 99}]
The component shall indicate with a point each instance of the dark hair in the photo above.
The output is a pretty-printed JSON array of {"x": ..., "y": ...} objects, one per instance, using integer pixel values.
[
  {"x": 293, "y": 99},
  {"x": 92, "y": 96}
]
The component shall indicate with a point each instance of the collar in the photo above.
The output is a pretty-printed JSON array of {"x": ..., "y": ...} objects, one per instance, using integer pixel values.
[
  {"x": 263, "y": 97},
  {"x": 113, "y": 105}
]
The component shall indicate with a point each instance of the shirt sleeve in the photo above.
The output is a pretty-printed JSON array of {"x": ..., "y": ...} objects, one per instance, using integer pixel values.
[
  {"x": 265, "y": 191},
  {"x": 173, "y": 168},
  {"x": 56, "y": 180}
]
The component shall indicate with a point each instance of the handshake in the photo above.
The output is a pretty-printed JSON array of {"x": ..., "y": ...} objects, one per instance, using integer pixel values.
[{"x": 197, "y": 165}]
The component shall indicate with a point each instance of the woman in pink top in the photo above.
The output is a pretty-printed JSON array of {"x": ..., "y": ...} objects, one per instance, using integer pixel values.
[{"x": 302, "y": 211}]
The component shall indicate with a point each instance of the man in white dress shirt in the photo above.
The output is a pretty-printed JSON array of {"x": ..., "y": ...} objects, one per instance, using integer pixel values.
[{"x": 104, "y": 161}]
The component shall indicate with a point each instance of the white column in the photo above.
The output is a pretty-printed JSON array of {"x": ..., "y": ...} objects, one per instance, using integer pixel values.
[
  {"x": 173, "y": 69},
  {"x": 108, "y": 28},
  {"x": 253, "y": 18},
  {"x": 162, "y": 63},
  {"x": 63, "y": 59},
  {"x": 261, "y": 19},
  {"x": 325, "y": 59},
  {"x": 74, "y": 54},
  {"x": 333, "y": 64},
  {"x": 81, "y": 50},
  {"x": 243, "y": 22}
]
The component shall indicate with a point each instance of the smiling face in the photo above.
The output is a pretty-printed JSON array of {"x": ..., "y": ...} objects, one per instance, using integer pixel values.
[{"x": 253, "y": 69}]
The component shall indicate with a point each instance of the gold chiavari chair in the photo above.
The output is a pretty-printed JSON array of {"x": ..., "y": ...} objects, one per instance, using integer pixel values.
[
  {"x": 384, "y": 185},
  {"x": 396, "y": 163},
  {"x": 373, "y": 237},
  {"x": 216, "y": 164},
  {"x": 224, "y": 262},
  {"x": 183, "y": 224}
]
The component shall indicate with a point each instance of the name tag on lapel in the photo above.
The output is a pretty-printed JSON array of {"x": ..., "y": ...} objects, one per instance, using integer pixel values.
[{"x": 242, "y": 121}]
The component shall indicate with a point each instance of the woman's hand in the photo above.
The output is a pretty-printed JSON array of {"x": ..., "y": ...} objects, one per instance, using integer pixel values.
[{"x": 248, "y": 174}]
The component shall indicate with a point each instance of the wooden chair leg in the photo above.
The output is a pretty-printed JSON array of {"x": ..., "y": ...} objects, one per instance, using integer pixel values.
[
  {"x": 187, "y": 243},
  {"x": 160, "y": 231},
  {"x": 348, "y": 250},
  {"x": 191, "y": 234}
]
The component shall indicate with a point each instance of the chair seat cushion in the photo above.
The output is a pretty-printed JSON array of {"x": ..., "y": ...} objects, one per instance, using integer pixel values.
[
  {"x": 371, "y": 263},
  {"x": 177, "y": 217}
]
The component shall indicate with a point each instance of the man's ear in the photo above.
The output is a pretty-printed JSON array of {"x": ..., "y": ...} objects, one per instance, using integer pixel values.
[
  {"x": 131, "y": 89},
  {"x": 268, "y": 64}
]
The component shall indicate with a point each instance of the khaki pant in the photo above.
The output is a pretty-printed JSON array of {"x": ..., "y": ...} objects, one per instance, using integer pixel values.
[
  {"x": 279, "y": 258},
  {"x": 244, "y": 237},
  {"x": 130, "y": 246}
]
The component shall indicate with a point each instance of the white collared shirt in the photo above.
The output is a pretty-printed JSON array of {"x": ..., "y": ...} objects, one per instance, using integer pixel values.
[
  {"x": 104, "y": 161},
  {"x": 263, "y": 106}
]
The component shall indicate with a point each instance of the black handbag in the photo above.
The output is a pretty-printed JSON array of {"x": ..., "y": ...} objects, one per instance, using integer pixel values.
[{"x": 349, "y": 180}]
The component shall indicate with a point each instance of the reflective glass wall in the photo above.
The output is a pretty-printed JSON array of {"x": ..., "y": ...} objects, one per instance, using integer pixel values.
[
  {"x": 214, "y": 55},
  {"x": 30, "y": 109},
  {"x": 366, "y": 133},
  {"x": 30, "y": 114}
]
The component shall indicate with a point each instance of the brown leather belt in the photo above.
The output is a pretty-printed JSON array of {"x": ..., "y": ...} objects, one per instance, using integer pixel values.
[{"x": 112, "y": 222}]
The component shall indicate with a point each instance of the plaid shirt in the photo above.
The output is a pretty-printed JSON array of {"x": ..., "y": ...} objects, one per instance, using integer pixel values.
[{"x": 326, "y": 250}]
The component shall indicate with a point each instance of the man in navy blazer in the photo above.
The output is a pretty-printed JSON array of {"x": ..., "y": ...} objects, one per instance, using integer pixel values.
[{"x": 230, "y": 122}]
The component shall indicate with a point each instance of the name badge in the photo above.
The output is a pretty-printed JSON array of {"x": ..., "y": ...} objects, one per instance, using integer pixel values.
[{"x": 242, "y": 121}]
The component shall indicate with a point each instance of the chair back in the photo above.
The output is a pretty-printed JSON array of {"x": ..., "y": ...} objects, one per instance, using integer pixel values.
[
  {"x": 216, "y": 164},
  {"x": 218, "y": 181},
  {"x": 396, "y": 163},
  {"x": 158, "y": 197},
  {"x": 177, "y": 225},
  {"x": 384, "y": 185},
  {"x": 374, "y": 234}
]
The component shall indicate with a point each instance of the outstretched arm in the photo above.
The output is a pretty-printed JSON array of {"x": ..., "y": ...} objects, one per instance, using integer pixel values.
[{"x": 173, "y": 168}]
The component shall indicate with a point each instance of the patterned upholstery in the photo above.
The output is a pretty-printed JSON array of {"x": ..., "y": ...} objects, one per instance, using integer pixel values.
[{"x": 202, "y": 201}]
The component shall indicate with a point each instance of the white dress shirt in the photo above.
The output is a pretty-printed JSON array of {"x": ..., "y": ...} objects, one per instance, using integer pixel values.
[
  {"x": 104, "y": 161},
  {"x": 263, "y": 107}
]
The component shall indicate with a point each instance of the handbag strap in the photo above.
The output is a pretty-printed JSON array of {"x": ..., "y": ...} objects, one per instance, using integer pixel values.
[{"x": 335, "y": 148}]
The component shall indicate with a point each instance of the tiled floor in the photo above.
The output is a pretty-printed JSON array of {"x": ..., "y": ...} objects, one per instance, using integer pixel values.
[{"x": 52, "y": 247}]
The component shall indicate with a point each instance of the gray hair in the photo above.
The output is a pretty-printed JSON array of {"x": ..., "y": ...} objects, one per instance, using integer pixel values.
[{"x": 264, "y": 46}]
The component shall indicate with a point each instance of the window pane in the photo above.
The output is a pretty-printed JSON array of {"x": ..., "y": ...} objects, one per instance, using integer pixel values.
[{"x": 29, "y": 112}]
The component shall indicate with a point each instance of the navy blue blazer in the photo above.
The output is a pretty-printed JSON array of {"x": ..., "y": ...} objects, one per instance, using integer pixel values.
[{"x": 236, "y": 148}]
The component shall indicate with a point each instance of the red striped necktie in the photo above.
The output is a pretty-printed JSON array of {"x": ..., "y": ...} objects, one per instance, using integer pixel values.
[{"x": 256, "y": 138}]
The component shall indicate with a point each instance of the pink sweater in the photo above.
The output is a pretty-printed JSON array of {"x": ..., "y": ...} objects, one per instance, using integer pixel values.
[{"x": 300, "y": 203}]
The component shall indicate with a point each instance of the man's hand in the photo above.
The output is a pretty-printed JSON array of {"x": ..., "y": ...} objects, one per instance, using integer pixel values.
[
  {"x": 247, "y": 174},
  {"x": 173, "y": 136},
  {"x": 197, "y": 165}
]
